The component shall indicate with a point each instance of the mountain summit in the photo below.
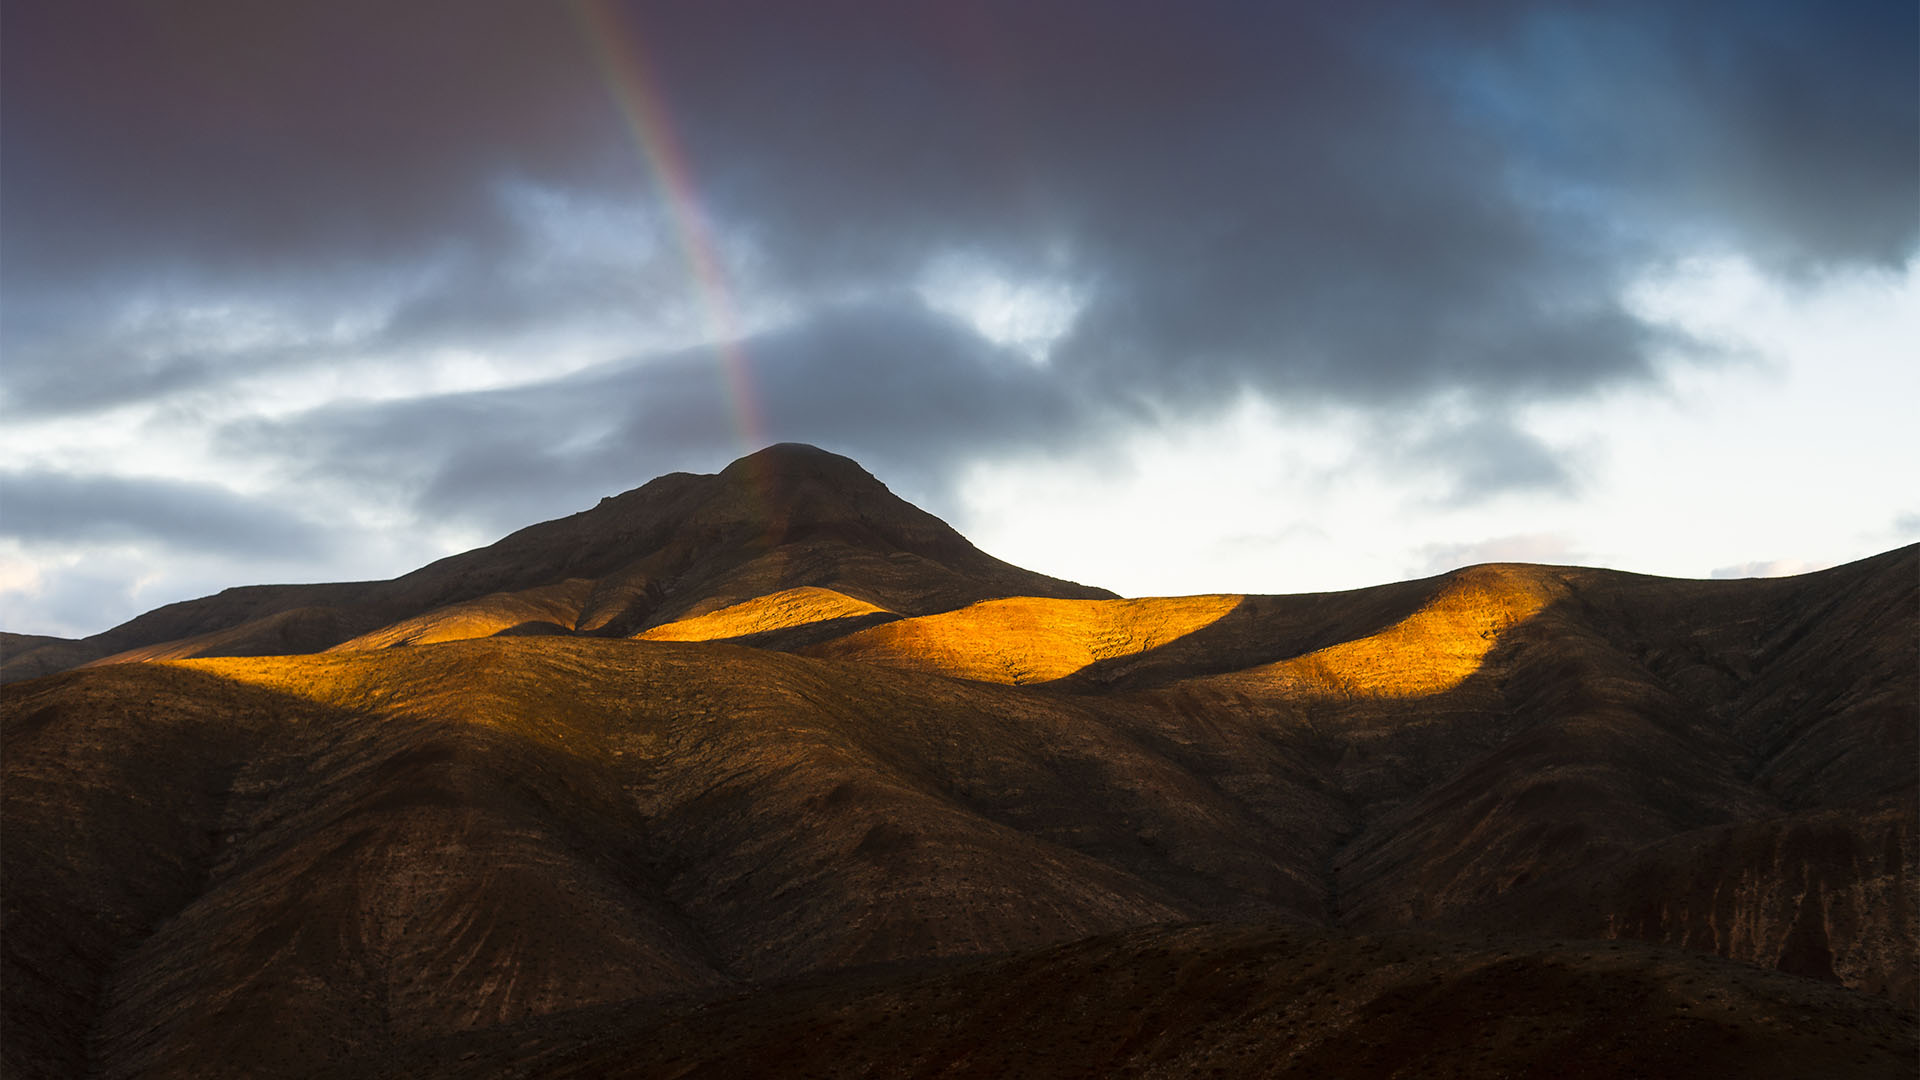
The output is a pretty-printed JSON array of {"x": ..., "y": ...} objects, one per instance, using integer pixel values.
[{"x": 790, "y": 516}]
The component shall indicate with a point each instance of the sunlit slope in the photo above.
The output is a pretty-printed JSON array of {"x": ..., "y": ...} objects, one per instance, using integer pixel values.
[
  {"x": 1440, "y": 632},
  {"x": 1434, "y": 649},
  {"x": 787, "y": 609},
  {"x": 1029, "y": 639},
  {"x": 679, "y": 546},
  {"x": 875, "y": 744},
  {"x": 293, "y": 630},
  {"x": 548, "y": 609},
  {"x": 1640, "y": 738},
  {"x": 244, "y": 866},
  {"x": 1812, "y": 683},
  {"x": 253, "y": 620},
  {"x": 402, "y": 842}
]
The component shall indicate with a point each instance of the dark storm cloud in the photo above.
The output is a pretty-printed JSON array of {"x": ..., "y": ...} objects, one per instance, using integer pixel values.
[
  {"x": 1786, "y": 130},
  {"x": 44, "y": 507},
  {"x": 211, "y": 136},
  {"x": 891, "y": 383},
  {"x": 1369, "y": 203},
  {"x": 1209, "y": 162},
  {"x": 91, "y": 369},
  {"x": 1484, "y": 457},
  {"x": 170, "y": 336},
  {"x": 1375, "y": 204}
]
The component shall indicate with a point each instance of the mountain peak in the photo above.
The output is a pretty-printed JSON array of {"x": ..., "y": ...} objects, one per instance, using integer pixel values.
[
  {"x": 787, "y": 516},
  {"x": 794, "y": 452},
  {"x": 781, "y": 466}
]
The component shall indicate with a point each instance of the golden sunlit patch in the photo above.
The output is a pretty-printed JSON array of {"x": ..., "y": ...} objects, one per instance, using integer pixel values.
[
  {"x": 1433, "y": 650},
  {"x": 331, "y": 679},
  {"x": 776, "y": 611},
  {"x": 1029, "y": 639},
  {"x": 483, "y": 616},
  {"x": 558, "y": 692}
]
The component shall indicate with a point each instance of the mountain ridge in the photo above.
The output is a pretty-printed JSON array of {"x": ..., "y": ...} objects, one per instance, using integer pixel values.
[
  {"x": 790, "y": 513},
  {"x": 807, "y": 793}
]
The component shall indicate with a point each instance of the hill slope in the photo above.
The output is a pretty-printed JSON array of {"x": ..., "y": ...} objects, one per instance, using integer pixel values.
[
  {"x": 1210, "y": 1001},
  {"x": 687, "y": 848},
  {"x": 679, "y": 546}
]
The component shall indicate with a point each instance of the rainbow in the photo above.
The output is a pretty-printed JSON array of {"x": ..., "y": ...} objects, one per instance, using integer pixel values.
[{"x": 618, "y": 51}]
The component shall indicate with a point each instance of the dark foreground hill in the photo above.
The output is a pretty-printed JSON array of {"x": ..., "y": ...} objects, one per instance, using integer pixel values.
[
  {"x": 1212, "y": 1000},
  {"x": 849, "y": 800}
]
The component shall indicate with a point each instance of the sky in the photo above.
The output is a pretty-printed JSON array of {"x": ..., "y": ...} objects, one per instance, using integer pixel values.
[{"x": 1170, "y": 298}]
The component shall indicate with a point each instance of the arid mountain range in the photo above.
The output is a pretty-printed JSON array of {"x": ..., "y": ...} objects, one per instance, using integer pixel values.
[{"x": 771, "y": 773}]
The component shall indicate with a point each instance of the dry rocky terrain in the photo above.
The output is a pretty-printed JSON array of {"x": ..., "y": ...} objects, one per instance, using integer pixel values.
[{"x": 771, "y": 773}]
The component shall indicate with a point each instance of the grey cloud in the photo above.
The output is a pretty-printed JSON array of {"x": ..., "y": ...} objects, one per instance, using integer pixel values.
[
  {"x": 1480, "y": 458},
  {"x": 266, "y": 138},
  {"x": 887, "y": 381},
  {"x": 58, "y": 508},
  {"x": 1382, "y": 205},
  {"x": 483, "y": 306},
  {"x": 1377, "y": 201},
  {"x": 74, "y": 602},
  {"x": 147, "y": 346},
  {"x": 90, "y": 346},
  {"x": 1783, "y": 129},
  {"x": 91, "y": 371},
  {"x": 1305, "y": 201},
  {"x": 1765, "y": 569}
]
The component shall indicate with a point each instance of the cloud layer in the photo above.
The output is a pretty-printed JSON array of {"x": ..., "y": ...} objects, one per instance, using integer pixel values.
[{"x": 472, "y": 259}]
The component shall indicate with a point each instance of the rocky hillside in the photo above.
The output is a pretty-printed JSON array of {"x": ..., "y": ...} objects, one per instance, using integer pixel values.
[
  {"x": 786, "y": 517},
  {"x": 763, "y": 773}
]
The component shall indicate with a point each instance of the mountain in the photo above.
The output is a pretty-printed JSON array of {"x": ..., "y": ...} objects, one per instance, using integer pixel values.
[
  {"x": 789, "y": 516},
  {"x": 795, "y": 780}
]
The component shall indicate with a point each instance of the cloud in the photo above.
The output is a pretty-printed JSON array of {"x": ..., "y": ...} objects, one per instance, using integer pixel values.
[
  {"x": 1767, "y": 568},
  {"x": 1376, "y": 203},
  {"x": 1783, "y": 131},
  {"x": 58, "y": 508},
  {"x": 97, "y": 368},
  {"x": 540, "y": 287},
  {"x": 222, "y": 137},
  {"x": 898, "y": 386},
  {"x": 1479, "y": 457},
  {"x": 438, "y": 254},
  {"x": 74, "y": 602}
]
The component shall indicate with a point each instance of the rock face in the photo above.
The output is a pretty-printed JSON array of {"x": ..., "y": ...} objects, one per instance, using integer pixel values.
[{"x": 770, "y": 771}]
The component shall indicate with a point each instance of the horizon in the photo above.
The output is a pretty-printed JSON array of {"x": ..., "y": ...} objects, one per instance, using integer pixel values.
[
  {"x": 1772, "y": 571},
  {"x": 1172, "y": 304}
]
